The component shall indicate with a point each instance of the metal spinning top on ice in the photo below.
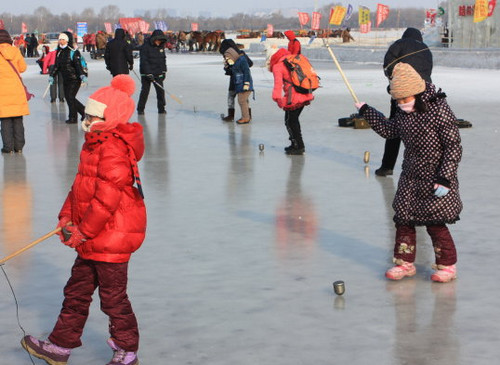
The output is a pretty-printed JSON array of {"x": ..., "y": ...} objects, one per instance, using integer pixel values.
[
  {"x": 339, "y": 287},
  {"x": 261, "y": 147}
]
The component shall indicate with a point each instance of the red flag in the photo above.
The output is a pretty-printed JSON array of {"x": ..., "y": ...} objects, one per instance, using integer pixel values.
[
  {"x": 303, "y": 18},
  {"x": 2, "y": 26},
  {"x": 194, "y": 27},
  {"x": 24, "y": 28},
  {"x": 316, "y": 19},
  {"x": 382, "y": 13},
  {"x": 270, "y": 30},
  {"x": 491, "y": 7},
  {"x": 107, "y": 26},
  {"x": 69, "y": 30}
]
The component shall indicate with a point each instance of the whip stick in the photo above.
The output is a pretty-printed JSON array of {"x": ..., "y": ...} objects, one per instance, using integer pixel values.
[
  {"x": 34, "y": 243},
  {"x": 341, "y": 72},
  {"x": 46, "y": 91},
  {"x": 161, "y": 87}
]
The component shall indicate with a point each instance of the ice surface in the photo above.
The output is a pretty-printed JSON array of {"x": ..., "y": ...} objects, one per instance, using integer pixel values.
[{"x": 243, "y": 246}]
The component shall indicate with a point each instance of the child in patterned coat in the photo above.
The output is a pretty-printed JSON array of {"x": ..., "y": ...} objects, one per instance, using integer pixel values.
[{"x": 427, "y": 193}]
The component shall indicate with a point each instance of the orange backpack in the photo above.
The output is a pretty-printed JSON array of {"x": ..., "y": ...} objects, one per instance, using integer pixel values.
[{"x": 303, "y": 77}]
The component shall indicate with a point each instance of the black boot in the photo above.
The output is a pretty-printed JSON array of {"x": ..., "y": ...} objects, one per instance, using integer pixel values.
[
  {"x": 230, "y": 115},
  {"x": 250, "y": 113}
]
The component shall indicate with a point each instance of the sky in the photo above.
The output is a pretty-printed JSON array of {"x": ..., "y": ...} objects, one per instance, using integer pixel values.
[{"x": 210, "y": 8}]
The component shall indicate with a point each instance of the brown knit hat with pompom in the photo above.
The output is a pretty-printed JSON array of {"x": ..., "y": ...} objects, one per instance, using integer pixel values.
[{"x": 405, "y": 82}]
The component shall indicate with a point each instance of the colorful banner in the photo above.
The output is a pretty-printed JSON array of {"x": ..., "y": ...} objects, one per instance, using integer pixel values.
[
  {"x": 107, "y": 26},
  {"x": 491, "y": 7},
  {"x": 337, "y": 15},
  {"x": 303, "y": 18},
  {"x": 382, "y": 14},
  {"x": 365, "y": 28},
  {"x": 270, "y": 30},
  {"x": 316, "y": 20},
  {"x": 194, "y": 27},
  {"x": 2, "y": 26},
  {"x": 144, "y": 26},
  {"x": 350, "y": 11},
  {"x": 481, "y": 10},
  {"x": 161, "y": 25},
  {"x": 24, "y": 28},
  {"x": 364, "y": 15}
]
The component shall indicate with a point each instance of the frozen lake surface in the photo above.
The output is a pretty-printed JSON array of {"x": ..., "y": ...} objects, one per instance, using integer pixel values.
[{"x": 243, "y": 246}]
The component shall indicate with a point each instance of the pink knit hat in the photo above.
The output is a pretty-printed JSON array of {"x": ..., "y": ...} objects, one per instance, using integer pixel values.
[{"x": 112, "y": 103}]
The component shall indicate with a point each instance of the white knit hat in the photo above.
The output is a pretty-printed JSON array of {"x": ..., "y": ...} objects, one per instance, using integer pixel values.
[{"x": 64, "y": 36}]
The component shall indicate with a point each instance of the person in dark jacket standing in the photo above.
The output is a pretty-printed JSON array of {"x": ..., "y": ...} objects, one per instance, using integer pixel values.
[
  {"x": 118, "y": 54},
  {"x": 153, "y": 69},
  {"x": 68, "y": 66},
  {"x": 412, "y": 50},
  {"x": 428, "y": 189}
]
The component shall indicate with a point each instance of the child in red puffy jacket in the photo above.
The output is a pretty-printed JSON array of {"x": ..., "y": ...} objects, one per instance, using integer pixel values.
[{"x": 105, "y": 218}]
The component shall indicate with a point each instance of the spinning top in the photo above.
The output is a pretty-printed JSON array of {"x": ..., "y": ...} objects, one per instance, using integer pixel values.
[
  {"x": 339, "y": 287},
  {"x": 261, "y": 147},
  {"x": 366, "y": 157}
]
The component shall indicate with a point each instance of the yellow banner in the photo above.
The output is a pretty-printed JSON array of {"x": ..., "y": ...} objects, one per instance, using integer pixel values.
[
  {"x": 338, "y": 14},
  {"x": 364, "y": 15},
  {"x": 480, "y": 10}
]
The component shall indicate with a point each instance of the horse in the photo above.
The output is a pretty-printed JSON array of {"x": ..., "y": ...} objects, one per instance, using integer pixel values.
[{"x": 212, "y": 40}]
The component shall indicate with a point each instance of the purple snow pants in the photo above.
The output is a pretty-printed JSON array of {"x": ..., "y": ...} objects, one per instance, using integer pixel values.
[
  {"x": 405, "y": 247},
  {"x": 86, "y": 276}
]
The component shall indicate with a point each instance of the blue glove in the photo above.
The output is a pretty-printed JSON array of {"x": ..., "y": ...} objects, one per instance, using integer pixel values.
[
  {"x": 51, "y": 80},
  {"x": 440, "y": 190},
  {"x": 83, "y": 78}
]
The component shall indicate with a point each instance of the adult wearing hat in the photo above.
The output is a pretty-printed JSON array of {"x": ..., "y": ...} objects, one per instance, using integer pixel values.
[
  {"x": 294, "y": 46},
  {"x": 412, "y": 50},
  {"x": 13, "y": 102},
  {"x": 118, "y": 54},
  {"x": 68, "y": 66}
]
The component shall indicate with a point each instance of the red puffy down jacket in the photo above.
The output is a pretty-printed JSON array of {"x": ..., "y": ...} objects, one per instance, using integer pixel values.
[
  {"x": 103, "y": 202},
  {"x": 283, "y": 92}
]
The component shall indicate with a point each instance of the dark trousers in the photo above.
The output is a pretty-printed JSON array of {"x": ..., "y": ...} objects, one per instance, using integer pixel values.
[
  {"x": 405, "y": 247},
  {"x": 57, "y": 88},
  {"x": 160, "y": 93},
  {"x": 86, "y": 276},
  {"x": 12, "y": 133},
  {"x": 71, "y": 88},
  {"x": 391, "y": 148},
  {"x": 292, "y": 125}
]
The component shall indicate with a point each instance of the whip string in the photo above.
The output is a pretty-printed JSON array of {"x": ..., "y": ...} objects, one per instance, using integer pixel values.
[{"x": 17, "y": 307}]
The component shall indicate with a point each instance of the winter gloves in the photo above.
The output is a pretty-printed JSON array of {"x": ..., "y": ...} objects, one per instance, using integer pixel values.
[
  {"x": 83, "y": 78},
  {"x": 246, "y": 86},
  {"x": 51, "y": 80},
  {"x": 70, "y": 235}
]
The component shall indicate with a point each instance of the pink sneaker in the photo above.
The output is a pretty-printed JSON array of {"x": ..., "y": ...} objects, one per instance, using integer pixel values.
[
  {"x": 45, "y": 350},
  {"x": 444, "y": 274},
  {"x": 121, "y": 356},
  {"x": 400, "y": 271}
]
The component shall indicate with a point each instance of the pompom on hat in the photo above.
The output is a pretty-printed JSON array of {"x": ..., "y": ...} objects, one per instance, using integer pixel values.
[
  {"x": 405, "y": 82},
  {"x": 112, "y": 103}
]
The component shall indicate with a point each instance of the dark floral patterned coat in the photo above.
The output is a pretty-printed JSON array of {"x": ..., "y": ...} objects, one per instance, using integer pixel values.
[{"x": 432, "y": 154}]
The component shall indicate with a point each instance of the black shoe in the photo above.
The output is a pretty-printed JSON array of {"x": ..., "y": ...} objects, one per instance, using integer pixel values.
[
  {"x": 289, "y": 148},
  {"x": 52, "y": 100},
  {"x": 140, "y": 112},
  {"x": 71, "y": 121},
  {"x": 18, "y": 151},
  {"x": 295, "y": 151},
  {"x": 383, "y": 171},
  {"x": 7, "y": 151},
  {"x": 162, "y": 111}
]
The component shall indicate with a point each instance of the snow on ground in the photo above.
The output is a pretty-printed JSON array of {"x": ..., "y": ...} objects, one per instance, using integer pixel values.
[{"x": 243, "y": 246}]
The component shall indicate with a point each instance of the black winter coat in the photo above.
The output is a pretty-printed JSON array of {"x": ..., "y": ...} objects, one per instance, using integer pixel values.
[
  {"x": 412, "y": 50},
  {"x": 69, "y": 67},
  {"x": 118, "y": 54},
  {"x": 153, "y": 57}
]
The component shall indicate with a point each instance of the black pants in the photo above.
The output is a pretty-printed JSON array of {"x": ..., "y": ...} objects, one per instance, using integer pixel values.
[
  {"x": 12, "y": 133},
  {"x": 292, "y": 125},
  {"x": 57, "y": 88},
  {"x": 71, "y": 88},
  {"x": 160, "y": 93},
  {"x": 391, "y": 148}
]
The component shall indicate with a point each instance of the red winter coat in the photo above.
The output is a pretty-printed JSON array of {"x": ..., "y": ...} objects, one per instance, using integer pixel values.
[
  {"x": 284, "y": 93},
  {"x": 294, "y": 46},
  {"x": 103, "y": 202},
  {"x": 49, "y": 60}
]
